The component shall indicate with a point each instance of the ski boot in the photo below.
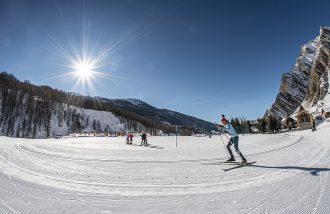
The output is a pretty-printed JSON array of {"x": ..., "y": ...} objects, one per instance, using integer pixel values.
[
  {"x": 244, "y": 162},
  {"x": 232, "y": 159}
]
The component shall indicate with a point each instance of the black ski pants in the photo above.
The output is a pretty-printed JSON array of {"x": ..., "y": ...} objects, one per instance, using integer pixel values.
[{"x": 234, "y": 140}]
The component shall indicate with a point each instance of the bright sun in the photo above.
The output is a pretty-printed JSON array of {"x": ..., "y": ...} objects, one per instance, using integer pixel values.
[
  {"x": 83, "y": 70},
  {"x": 83, "y": 64}
]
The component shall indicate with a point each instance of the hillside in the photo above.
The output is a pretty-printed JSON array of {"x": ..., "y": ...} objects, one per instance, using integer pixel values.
[
  {"x": 160, "y": 115},
  {"x": 41, "y": 111}
]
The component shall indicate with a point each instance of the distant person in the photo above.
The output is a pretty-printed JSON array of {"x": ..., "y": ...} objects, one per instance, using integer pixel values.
[
  {"x": 129, "y": 139},
  {"x": 144, "y": 141},
  {"x": 313, "y": 125},
  {"x": 228, "y": 128}
]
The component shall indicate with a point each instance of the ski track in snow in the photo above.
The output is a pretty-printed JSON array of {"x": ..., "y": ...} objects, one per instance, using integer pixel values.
[{"x": 104, "y": 175}]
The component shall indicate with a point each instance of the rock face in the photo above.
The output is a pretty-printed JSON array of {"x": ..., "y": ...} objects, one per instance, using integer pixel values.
[
  {"x": 307, "y": 82},
  {"x": 318, "y": 81}
]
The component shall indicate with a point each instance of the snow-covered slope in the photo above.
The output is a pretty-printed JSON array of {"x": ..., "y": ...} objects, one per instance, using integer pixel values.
[
  {"x": 33, "y": 117},
  {"x": 134, "y": 101},
  {"x": 104, "y": 175},
  {"x": 88, "y": 119}
]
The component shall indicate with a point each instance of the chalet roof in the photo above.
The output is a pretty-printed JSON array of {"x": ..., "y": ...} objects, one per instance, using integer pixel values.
[
  {"x": 284, "y": 120},
  {"x": 301, "y": 108},
  {"x": 301, "y": 111}
]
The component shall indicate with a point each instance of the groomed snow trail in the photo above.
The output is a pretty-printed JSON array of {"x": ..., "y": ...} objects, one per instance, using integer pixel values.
[{"x": 104, "y": 175}]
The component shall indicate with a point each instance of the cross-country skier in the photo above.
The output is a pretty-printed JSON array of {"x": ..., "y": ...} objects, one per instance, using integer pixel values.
[
  {"x": 313, "y": 125},
  {"x": 144, "y": 139},
  {"x": 228, "y": 128},
  {"x": 129, "y": 139}
]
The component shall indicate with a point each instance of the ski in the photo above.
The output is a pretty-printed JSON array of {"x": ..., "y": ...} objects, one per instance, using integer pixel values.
[
  {"x": 239, "y": 165},
  {"x": 230, "y": 162}
]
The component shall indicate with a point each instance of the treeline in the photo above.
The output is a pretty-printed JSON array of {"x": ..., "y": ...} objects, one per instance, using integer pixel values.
[
  {"x": 241, "y": 125},
  {"x": 42, "y": 96},
  {"x": 22, "y": 115},
  {"x": 267, "y": 124}
]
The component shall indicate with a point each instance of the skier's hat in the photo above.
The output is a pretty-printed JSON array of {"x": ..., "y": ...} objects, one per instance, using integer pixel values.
[{"x": 223, "y": 119}]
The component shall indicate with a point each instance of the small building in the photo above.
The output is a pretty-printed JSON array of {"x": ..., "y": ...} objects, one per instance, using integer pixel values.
[{"x": 304, "y": 118}]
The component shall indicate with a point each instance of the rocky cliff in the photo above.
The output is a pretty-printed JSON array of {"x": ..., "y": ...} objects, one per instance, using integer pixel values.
[
  {"x": 307, "y": 82},
  {"x": 318, "y": 79}
]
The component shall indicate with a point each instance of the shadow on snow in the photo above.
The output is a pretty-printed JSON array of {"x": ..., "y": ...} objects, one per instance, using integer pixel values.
[{"x": 311, "y": 170}]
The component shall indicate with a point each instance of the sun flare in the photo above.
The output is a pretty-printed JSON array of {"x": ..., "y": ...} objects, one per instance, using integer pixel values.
[
  {"x": 85, "y": 64},
  {"x": 83, "y": 70}
]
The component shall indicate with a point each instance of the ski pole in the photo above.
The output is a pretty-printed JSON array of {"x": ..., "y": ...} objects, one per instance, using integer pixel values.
[
  {"x": 227, "y": 137},
  {"x": 223, "y": 143}
]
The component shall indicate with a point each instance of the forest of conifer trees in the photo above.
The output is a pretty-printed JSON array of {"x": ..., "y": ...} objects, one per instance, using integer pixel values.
[{"x": 33, "y": 111}]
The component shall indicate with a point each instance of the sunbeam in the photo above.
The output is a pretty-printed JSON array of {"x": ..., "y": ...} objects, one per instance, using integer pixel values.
[
  {"x": 85, "y": 62},
  {"x": 82, "y": 67}
]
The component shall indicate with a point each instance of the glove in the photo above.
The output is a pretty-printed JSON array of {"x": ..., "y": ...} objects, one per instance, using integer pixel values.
[{"x": 221, "y": 128}]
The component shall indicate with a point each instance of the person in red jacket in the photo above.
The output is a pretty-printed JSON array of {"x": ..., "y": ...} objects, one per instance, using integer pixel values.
[{"x": 129, "y": 139}]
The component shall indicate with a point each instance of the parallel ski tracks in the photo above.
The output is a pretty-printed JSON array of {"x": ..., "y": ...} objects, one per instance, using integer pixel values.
[
  {"x": 67, "y": 193},
  {"x": 141, "y": 188},
  {"x": 6, "y": 208},
  {"x": 41, "y": 153},
  {"x": 277, "y": 149}
]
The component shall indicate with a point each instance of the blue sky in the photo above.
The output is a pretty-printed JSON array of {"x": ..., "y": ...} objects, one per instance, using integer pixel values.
[{"x": 201, "y": 58}]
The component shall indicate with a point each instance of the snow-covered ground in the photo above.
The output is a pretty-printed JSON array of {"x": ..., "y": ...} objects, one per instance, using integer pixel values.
[{"x": 104, "y": 175}]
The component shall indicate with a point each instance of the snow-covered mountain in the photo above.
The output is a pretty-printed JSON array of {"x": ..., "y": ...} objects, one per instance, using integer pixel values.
[
  {"x": 33, "y": 111},
  {"x": 307, "y": 82},
  {"x": 161, "y": 115},
  {"x": 135, "y": 101}
]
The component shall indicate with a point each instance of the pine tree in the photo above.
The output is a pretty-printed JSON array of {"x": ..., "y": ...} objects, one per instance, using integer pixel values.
[
  {"x": 94, "y": 125},
  {"x": 107, "y": 128},
  {"x": 48, "y": 125},
  {"x": 18, "y": 130},
  {"x": 249, "y": 126},
  {"x": 87, "y": 121},
  {"x": 34, "y": 132},
  {"x": 261, "y": 125},
  {"x": 98, "y": 126},
  {"x": 273, "y": 123}
]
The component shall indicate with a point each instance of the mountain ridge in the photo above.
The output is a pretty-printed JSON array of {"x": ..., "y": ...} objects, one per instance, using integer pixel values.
[
  {"x": 307, "y": 82},
  {"x": 161, "y": 115},
  {"x": 33, "y": 101}
]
